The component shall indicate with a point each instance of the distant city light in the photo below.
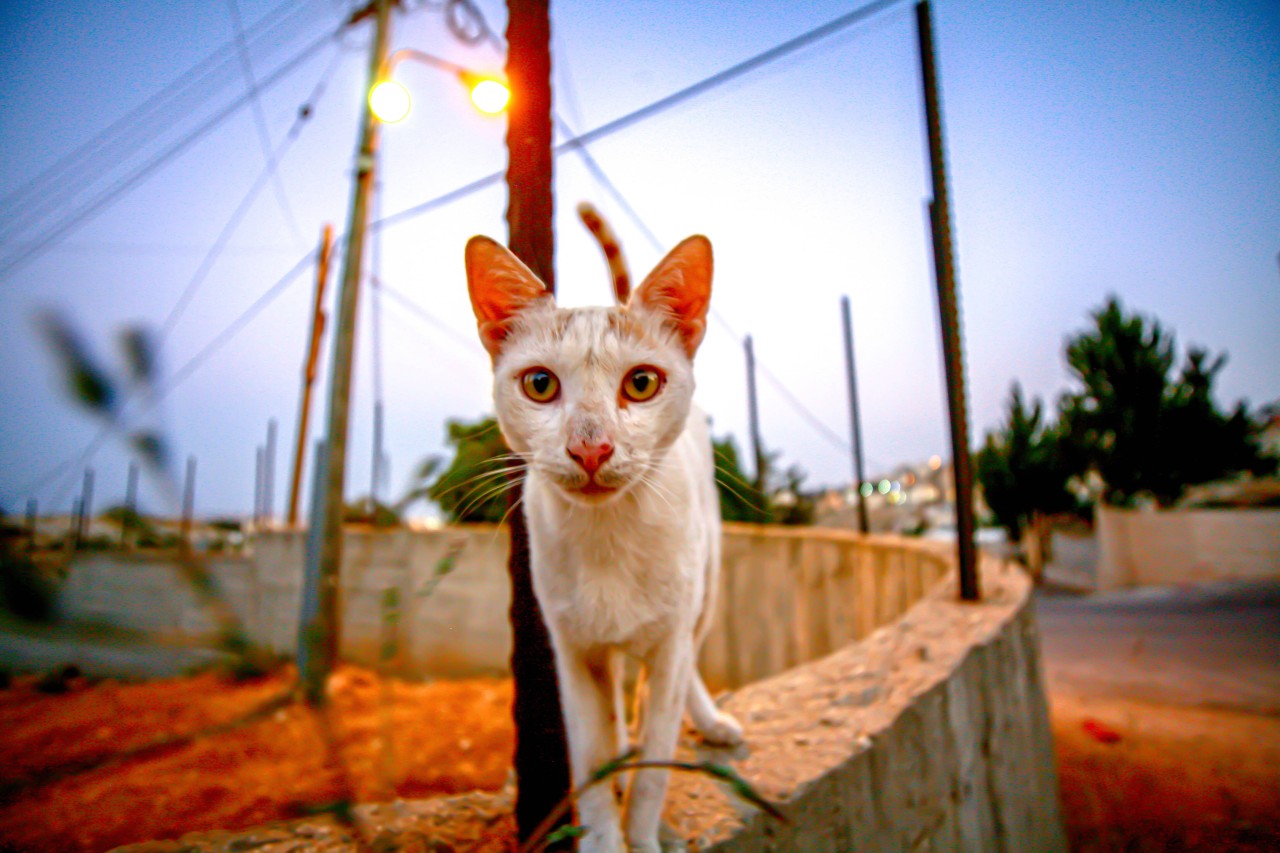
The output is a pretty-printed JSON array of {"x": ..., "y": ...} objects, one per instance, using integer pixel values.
[
  {"x": 885, "y": 486},
  {"x": 490, "y": 96},
  {"x": 935, "y": 462},
  {"x": 389, "y": 101},
  {"x": 866, "y": 489}
]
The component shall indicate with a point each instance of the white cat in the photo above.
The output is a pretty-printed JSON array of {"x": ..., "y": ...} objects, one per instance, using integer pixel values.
[{"x": 623, "y": 515}]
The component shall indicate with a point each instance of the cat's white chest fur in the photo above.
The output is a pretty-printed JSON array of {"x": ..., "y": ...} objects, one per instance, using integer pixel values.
[{"x": 630, "y": 572}]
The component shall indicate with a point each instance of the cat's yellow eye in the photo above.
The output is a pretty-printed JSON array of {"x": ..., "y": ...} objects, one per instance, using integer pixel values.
[
  {"x": 641, "y": 384},
  {"x": 540, "y": 385}
]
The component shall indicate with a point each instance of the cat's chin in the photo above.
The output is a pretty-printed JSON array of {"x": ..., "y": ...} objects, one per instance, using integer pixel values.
[{"x": 593, "y": 493}]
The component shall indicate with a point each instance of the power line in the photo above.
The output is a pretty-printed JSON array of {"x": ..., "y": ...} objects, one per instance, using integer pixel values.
[
  {"x": 271, "y": 168},
  {"x": 234, "y": 327},
  {"x": 75, "y": 218},
  {"x": 260, "y": 118},
  {"x": 426, "y": 316},
  {"x": 598, "y": 173},
  {"x": 91, "y": 162},
  {"x": 654, "y": 108},
  {"x": 729, "y": 74}
]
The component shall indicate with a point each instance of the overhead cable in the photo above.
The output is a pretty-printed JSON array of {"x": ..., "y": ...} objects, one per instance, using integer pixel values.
[
  {"x": 75, "y": 218},
  {"x": 260, "y": 118},
  {"x": 271, "y": 168},
  {"x": 652, "y": 109},
  {"x": 55, "y": 187}
]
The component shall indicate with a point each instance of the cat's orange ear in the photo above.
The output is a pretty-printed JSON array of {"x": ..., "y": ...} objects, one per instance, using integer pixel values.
[
  {"x": 679, "y": 288},
  {"x": 500, "y": 287}
]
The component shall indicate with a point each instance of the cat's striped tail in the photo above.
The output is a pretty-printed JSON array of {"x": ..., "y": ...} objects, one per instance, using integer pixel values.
[{"x": 604, "y": 235}]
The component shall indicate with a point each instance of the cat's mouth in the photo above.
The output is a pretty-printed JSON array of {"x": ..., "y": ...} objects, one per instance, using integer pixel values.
[{"x": 593, "y": 489}]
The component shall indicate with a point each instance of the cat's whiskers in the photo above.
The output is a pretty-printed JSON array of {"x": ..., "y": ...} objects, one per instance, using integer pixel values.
[
  {"x": 728, "y": 482},
  {"x": 481, "y": 492},
  {"x": 512, "y": 508},
  {"x": 490, "y": 472},
  {"x": 658, "y": 490},
  {"x": 484, "y": 492}
]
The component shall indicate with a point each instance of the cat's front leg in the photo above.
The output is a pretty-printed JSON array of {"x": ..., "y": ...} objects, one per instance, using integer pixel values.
[
  {"x": 668, "y": 683},
  {"x": 587, "y": 700}
]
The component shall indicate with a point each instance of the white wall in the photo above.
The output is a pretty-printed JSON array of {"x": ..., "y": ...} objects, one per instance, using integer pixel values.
[{"x": 1159, "y": 547}]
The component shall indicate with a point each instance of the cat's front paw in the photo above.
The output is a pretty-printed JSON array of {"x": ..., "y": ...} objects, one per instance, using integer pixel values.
[{"x": 723, "y": 730}]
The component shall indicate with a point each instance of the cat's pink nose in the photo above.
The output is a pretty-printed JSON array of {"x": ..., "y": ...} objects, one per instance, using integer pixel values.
[{"x": 590, "y": 456}]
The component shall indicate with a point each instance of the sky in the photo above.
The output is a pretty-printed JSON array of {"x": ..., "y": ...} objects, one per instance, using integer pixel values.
[{"x": 1103, "y": 148}]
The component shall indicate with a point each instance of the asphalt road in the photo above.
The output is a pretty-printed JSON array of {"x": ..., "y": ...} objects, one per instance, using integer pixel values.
[{"x": 1215, "y": 645}]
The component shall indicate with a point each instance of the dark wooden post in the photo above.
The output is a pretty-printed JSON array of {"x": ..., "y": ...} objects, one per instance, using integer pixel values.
[
  {"x": 753, "y": 417},
  {"x": 855, "y": 420},
  {"x": 541, "y": 759},
  {"x": 948, "y": 310}
]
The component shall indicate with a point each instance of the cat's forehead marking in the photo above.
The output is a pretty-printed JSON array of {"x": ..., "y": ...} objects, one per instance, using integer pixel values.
[{"x": 598, "y": 325}]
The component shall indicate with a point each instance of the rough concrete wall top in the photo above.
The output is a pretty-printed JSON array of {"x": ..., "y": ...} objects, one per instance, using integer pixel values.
[{"x": 932, "y": 733}]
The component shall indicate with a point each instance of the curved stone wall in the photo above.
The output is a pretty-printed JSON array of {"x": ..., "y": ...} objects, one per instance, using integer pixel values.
[
  {"x": 880, "y": 712},
  {"x": 931, "y": 733}
]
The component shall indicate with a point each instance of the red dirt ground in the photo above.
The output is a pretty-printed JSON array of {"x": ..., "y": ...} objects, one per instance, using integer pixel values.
[
  {"x": 445, "y": 737},
  {"x": 1134, "y": 777}
]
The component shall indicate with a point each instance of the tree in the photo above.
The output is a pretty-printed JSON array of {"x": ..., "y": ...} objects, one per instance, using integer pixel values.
[
  {"x": 473, "y": 488},
  {"x": 365, "y": 510},
  {"x": 1024, "y": 469},
  {"x": 788, "y": 502},
  {"x": 740, "y": 500},
  {"x": 1143, "y": 432}
]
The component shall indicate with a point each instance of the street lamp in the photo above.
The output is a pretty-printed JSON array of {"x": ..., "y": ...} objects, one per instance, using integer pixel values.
[
  {"x": 390, "y": 101},
  {"x": 318, "y": 624}
]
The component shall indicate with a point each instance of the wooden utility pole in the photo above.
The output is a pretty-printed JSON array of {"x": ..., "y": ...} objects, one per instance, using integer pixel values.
[
  {"x": 541, "y": 758},
  {"x": 188, "y": 505},
  {"x": 855, "y": 421},
  {"x": 33, "y": 520},
  {"x": 130, "y": 504},
  {"x": 319, "y": 630},
  {"x": 85, "y": 513},
  {"x": 753, "y": 417},
  {"x": 259, "y": 472},
  {"x": 269, "y": 474},
  {"x": 309, "y": 372},
  {"x": 948, "y": 310}
]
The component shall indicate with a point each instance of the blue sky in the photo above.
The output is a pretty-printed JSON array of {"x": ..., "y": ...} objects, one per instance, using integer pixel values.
[{"x": 1128, "y": 148}]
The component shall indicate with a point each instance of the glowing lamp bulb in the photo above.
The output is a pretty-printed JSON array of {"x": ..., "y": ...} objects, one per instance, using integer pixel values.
[
  {"x": 490, "y": 96},
  {"x": 389, "y": 101}
]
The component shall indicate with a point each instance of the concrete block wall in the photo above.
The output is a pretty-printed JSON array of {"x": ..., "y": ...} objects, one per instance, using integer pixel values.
[
  {"x": 1162, "y": 547},
  {"x": 786, "y": 596}
]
